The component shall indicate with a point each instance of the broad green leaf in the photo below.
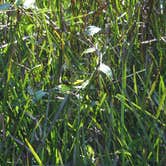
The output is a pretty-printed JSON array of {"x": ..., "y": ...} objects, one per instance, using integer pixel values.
[
  {"x": 92, "y": 30},
  {"x": 64, "y": 88},
  {"x": 90, "y": 152},
  {"x": 106, "y": 70}
]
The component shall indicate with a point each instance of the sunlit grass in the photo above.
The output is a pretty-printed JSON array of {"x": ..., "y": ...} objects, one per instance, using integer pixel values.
[{"x": 83, "y": 83}]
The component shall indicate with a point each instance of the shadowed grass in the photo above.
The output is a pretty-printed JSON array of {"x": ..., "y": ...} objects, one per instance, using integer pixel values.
[{"x": 69, "y": 98}]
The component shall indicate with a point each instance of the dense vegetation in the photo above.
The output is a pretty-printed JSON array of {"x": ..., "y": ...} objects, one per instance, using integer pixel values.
[{"x": 83, "y": 83}]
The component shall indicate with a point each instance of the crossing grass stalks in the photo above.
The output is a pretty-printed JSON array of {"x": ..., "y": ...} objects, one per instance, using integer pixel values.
[{"x": 68, "y": 97}]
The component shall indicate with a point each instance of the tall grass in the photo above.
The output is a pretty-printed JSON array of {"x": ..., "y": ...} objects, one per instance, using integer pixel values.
[{"x": 69, "y": 98}]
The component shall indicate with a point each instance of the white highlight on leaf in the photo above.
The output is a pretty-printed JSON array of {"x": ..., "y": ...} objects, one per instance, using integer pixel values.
[
  {"x": 29, "y": 4},
  {"x": 91, "y": 30},
  {"x": 89, "y": 50},
  {"x": 106, "y": 70}
]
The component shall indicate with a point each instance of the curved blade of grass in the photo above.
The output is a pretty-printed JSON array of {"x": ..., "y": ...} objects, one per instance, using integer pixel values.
[{"x": 33, "y": 152}]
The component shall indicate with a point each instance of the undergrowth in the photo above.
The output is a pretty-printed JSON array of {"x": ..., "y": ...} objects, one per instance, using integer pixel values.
[{"x": 83, "y": 83}]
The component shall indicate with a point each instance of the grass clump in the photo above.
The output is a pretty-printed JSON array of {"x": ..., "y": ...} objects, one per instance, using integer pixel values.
[{"x": 83, "y": 83}]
